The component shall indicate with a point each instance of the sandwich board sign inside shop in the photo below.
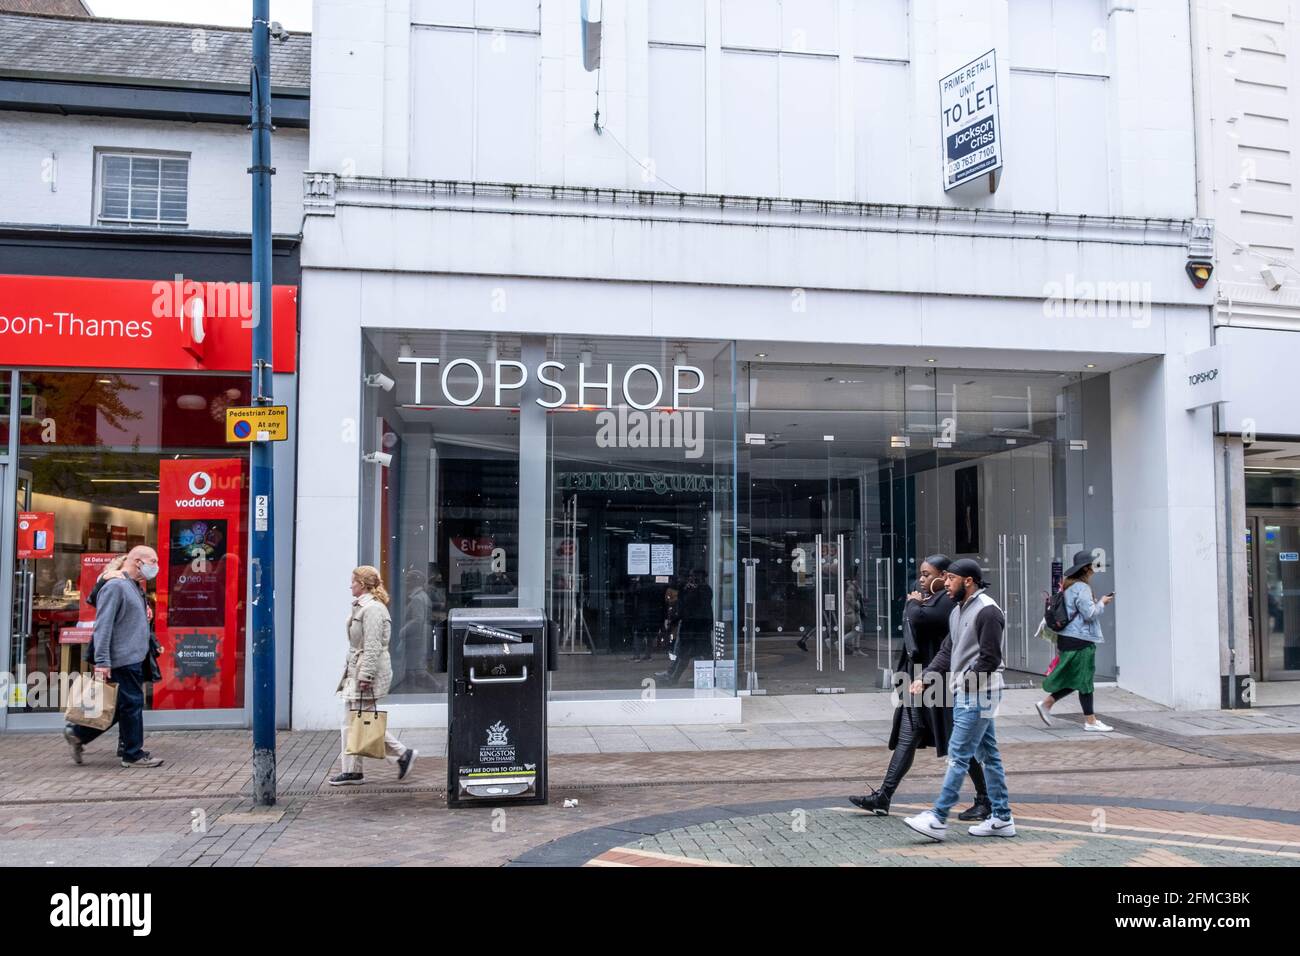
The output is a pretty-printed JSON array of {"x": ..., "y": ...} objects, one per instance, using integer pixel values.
[{"x": 972, "y": 130}]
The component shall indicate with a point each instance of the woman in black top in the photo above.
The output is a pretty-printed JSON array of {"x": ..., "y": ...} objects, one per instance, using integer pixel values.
[{"x": 925, "y": 625}]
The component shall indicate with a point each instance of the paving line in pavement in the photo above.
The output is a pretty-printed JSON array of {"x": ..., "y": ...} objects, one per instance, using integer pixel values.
[
  {"x": 1150, "y": 839},
  {"x": 1088, "y": 826},
  {"x": 364, "y": 790}
]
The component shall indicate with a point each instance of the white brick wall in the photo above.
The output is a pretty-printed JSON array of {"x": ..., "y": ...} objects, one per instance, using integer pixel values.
[{"x": 48, "y": 165}]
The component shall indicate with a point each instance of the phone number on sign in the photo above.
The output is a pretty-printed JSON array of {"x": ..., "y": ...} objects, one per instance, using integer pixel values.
[{"x": 971, "y": 159}]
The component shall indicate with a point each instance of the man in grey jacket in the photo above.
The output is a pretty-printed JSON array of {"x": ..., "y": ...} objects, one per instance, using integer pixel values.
[
  {"x": 971, "y": 656},
  {"x": 121, "y": 643}
]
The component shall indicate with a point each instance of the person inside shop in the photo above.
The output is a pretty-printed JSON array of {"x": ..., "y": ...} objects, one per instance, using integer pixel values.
[
  {"x": 647, "y": 617},
  {"x": 696, "y": 603},
  {"x": 417, "y": 625},
  {"x": 922, "y": 722},
  {"x": 122, "y": 646}
]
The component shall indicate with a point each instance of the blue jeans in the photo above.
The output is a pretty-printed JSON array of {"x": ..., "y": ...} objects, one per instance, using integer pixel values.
[
  {"x": 129, "y": 715},
  {"x": 973, "y": 738}
]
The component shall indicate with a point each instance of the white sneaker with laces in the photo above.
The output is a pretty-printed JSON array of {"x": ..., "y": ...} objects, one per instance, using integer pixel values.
[
  {"x": 928, "y": 825},
  {"x": 1098, "y": 727},
  {"x": 993, "y": 827}
]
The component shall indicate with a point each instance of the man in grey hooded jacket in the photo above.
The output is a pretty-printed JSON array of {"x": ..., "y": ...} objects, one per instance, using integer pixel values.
[{"x": 971, "y": 656}]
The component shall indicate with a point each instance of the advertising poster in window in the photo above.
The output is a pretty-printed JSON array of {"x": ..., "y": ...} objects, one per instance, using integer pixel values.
[
  {"x": 470, "y": 564},
  {"x": 92, "y": 566},
  {"x": 200, "y": 584},
  {"x": 35, "y": 534}
]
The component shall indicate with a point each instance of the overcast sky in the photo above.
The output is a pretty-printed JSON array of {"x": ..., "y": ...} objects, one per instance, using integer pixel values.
[{"x": 293, "y": 14}]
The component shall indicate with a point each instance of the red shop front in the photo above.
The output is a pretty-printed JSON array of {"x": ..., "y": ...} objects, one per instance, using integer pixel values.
[{"x": 112, "y": 435}]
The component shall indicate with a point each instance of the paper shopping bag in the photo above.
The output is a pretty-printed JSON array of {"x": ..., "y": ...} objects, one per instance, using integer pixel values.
[
  {"x": 366, "y": 730},
  {"x": 92, "y": 701}
]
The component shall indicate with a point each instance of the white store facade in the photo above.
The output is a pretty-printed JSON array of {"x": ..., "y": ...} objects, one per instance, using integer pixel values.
[{"x": 737, "y": 319}]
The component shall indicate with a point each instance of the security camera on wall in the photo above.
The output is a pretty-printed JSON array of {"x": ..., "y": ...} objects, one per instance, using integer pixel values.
[
  {"x": 380, "y": 380},
  {"x": 380, "y": 458}
]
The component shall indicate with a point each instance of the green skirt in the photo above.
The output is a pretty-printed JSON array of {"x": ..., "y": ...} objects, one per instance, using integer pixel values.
[{"x": 1073, "y": 671}]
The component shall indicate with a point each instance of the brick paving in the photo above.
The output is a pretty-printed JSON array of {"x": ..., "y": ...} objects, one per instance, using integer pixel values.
[{"x": 1165, "y": 799}]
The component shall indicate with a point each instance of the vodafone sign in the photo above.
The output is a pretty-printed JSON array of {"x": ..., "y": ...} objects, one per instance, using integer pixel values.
[{"x": 172, "y": 324}]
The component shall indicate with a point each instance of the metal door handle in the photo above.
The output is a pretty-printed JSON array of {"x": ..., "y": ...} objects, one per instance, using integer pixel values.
[
  {"x": 29, "y": 601},
  {"x": 840, "y": 614},
  {"x": 1024, "y": 594},
  {"x": 473, "y": 679},
  {"x": 819, "y": 598}
]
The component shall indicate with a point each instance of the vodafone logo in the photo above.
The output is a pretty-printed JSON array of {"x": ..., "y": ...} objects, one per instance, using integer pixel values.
[
  {"x": 200, "y": 485},
  {"x": 194, "y": 311}
]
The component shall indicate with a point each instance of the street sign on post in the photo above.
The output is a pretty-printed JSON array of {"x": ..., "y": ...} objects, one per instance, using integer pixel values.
[{"x": 252, "y": 423}]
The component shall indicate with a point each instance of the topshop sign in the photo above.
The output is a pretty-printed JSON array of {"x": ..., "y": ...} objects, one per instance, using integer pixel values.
[
  {"x": 1208, "y": 377},
  {"x": 511, "y": 376}
]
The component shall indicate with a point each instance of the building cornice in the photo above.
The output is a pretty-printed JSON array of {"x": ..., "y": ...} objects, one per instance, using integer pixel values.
[{"x": 324, "y": 192}]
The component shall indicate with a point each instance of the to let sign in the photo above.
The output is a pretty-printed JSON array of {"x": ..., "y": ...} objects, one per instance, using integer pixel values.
[
  {"x": 972, "y": 131},
  {"x": 257, "y": 423}
]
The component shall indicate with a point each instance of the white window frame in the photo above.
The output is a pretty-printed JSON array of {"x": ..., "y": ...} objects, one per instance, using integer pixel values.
[{"x": 103, "y": 153}]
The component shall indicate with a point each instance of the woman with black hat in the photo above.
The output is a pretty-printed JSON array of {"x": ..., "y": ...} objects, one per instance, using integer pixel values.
[
  {"x": 1077, "y": 643},
  {"x": 925, "y": 625}
]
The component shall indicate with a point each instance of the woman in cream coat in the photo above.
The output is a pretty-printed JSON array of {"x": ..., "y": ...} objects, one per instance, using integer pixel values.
[{"x": 368, "y": 673}]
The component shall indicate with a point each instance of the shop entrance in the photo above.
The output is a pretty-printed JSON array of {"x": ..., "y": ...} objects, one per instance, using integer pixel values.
[
  {"x": 848, "y": 481},
  {"x": 1273, "y": 558}
]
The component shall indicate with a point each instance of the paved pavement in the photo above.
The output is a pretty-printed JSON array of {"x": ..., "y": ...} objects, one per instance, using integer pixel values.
[{"x": 1170, "y": 789}]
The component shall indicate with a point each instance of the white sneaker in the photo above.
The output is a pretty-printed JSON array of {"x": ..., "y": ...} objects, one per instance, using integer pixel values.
[
  {"x": 993, "y": 827},
  {"x": 1098, "y": 727},
  {"x": 1043, "y": 712},
  {"x": 927, "y": 824}
]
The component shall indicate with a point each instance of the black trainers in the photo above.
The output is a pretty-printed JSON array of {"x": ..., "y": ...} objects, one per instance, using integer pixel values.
[
  {"x": 74, "y": 742},
  {"x": 346, "y": 780},
  {"x": 874, "y": 802},
  {"x": 980, "y": 810},
  {"x": 405, "y": 762},
  {"x": 143, "y": 762}
]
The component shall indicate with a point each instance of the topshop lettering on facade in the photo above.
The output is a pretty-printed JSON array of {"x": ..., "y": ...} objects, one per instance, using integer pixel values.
[{"x": 509, "y": 375}]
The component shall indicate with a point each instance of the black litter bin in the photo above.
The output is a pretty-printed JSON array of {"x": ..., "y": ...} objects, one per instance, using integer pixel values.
[{"x": 497, "y": 661}]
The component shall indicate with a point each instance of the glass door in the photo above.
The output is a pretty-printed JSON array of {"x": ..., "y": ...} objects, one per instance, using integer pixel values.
[
  {"x": 1276, "y": 591},
  {"x": 24, "y": 652},
  {"x": 822, "y": 489}
]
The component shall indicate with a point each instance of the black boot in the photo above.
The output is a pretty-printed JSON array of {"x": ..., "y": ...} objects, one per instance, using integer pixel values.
[
  {"x": 981, "y": 809},
  {"x": 874, "y": 802}
]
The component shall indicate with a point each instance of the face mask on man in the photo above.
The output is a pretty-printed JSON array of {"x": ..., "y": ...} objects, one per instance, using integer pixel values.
[{"x": 150, "y": 571}]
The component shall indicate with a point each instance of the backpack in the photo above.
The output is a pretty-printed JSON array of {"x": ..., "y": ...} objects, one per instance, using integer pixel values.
[{"x": 1056, "y": 617}]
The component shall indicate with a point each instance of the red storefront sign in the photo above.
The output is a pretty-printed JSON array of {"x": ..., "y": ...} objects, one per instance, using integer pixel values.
[
  {"x": 139, "y": 324},
  {"x": 199, "y": 617},
  {"x": 35, "y": 534}
]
